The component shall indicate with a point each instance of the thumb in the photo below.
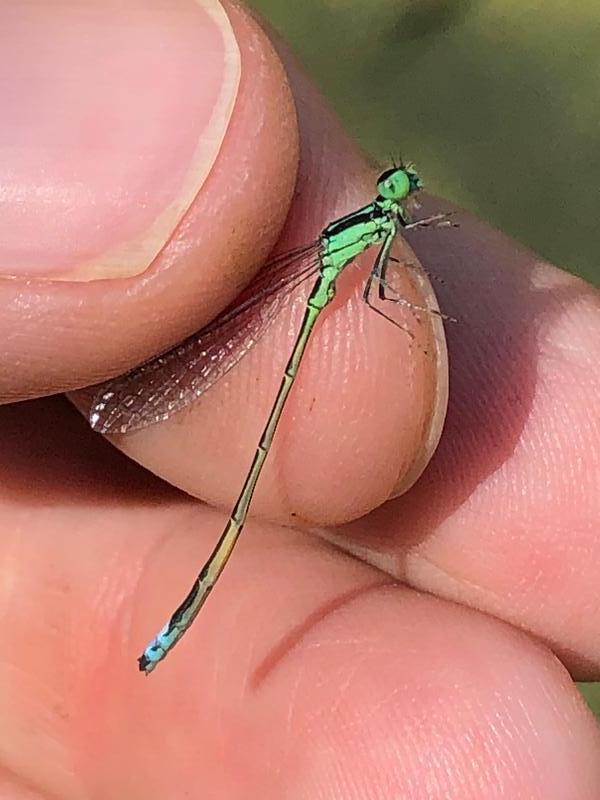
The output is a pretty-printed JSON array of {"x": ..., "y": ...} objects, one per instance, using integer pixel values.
[{"x": 138, "y": 157}]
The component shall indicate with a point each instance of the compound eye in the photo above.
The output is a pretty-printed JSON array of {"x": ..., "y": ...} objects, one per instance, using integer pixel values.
[{"x": 394, "y": 184}]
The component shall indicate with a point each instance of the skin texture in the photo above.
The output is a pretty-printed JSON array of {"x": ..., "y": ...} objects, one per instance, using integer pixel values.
[
  {"x": 105, "y": 327},
  {"x": 311, "y": 673}
]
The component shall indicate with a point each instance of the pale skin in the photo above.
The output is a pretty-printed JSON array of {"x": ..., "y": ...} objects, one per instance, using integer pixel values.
[{"x": 311, "y": 673}]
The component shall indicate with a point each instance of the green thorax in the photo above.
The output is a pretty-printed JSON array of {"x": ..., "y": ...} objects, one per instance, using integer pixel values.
[{"x": 347, "y": 237}]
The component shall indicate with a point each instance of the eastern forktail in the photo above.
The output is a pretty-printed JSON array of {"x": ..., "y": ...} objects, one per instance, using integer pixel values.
[{"x": 156, "y": 390}]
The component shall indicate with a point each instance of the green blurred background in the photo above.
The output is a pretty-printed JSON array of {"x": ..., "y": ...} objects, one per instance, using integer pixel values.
[{"x": 498, "y": 101}]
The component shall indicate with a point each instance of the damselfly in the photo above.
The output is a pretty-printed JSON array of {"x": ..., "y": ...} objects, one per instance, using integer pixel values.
[{"x": 156, "y": 390}]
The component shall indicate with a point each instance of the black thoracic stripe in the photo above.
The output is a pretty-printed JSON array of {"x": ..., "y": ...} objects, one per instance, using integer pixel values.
[{"x": 365, "y": 214}]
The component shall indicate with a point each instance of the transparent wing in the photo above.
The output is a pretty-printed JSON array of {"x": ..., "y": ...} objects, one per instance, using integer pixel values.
[{"x": 167, "y": 384}]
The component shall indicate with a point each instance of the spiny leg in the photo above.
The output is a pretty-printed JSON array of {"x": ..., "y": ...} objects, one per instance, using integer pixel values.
[
  {"x": 437, "y": 220},
  {"x": 402, "y": 301},
  {"x": 379, "y": 265},
  {"x": 376, "y": 274},
  {"x": 419, "y": 268}
]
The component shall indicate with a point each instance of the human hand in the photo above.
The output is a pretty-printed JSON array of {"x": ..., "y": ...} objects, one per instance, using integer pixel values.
[{"x": 309, "y": 673}]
